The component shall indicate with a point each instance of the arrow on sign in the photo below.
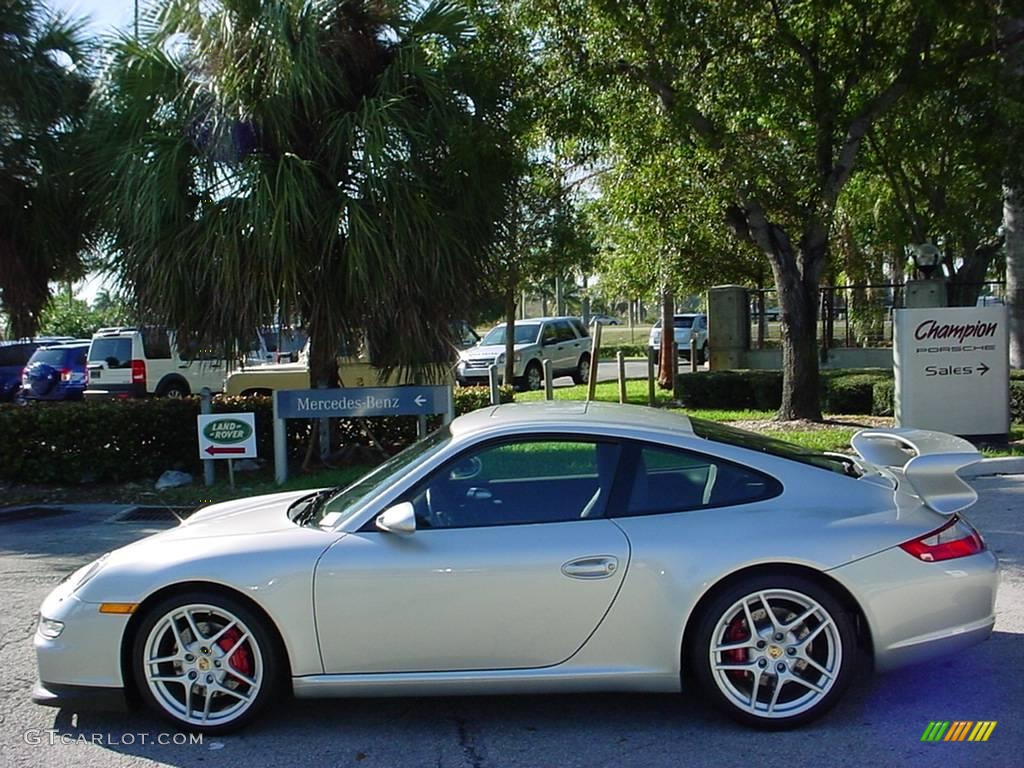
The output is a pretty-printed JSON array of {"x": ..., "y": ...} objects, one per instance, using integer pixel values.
[
  {"x": 983, "y": 368},
  {"x": 419, "y": 400},
  {"x": 223, "y": 451}
]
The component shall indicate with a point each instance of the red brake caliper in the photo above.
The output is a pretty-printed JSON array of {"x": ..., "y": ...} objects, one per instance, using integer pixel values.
[
  {"x": 736, "y": 631},
  {"x": 241, "y": 659}
]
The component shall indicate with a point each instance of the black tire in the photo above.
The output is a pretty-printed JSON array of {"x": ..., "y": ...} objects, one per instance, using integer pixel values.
[
  {"x": 262, "y": 651},
  {"x": 176, "y": 388},
  {"x": 702, "y": 355},
  {"x": 581, "y": 375},
  {"x": 533, "y": 376},
  {"x": 827, "y": 640}
]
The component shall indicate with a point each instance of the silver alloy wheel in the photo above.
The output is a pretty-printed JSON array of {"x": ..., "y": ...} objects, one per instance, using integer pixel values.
[
  {"x": 203, "y": 665},
  {"x": 775, "y": 653},
  {"x": 534, "y": 376}
]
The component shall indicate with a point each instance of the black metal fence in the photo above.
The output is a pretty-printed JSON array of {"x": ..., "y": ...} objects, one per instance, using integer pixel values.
[{"x": 848, "y": 315}]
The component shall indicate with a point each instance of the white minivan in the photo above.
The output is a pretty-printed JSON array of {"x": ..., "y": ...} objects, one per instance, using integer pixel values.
[{"x": 129, "y": 362}]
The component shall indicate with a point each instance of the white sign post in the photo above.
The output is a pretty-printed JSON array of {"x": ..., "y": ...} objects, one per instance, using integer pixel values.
[
  {"x": 952, "y": 370},
  {"x": 227, "y": 436}
]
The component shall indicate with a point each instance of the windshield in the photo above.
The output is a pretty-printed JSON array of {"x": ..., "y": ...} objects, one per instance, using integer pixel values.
[
  {"x": 292, "y": 340},
  {"x": 525, "y": 334},
  {"x": 340, "y": 505},
  {"x": 741, "y": 438}
]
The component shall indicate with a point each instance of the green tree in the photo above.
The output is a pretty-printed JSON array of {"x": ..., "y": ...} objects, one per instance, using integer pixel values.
[
  {"x": 44, "y": 224},
  {"x": 773, "y": 99},
  {"x": 331, "y": 161}
]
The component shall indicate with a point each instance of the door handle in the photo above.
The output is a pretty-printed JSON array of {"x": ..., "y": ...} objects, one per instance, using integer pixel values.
[
  {"x": 598, "y": 567},
  {"x": 478, "y": 493}
]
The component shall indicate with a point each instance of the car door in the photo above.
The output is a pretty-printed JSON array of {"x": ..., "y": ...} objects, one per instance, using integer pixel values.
[
  {"x": 568, "y": 347},
  {"x": 512, "y": 565}
]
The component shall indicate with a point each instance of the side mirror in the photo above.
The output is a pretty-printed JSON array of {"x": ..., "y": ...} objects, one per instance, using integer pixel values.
[{"x": 400, "y": 518}]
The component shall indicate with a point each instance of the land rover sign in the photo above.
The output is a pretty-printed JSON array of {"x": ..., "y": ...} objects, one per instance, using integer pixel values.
[
  {"x": 952, "y": 370},
  {"x": 227, "y": 436}
]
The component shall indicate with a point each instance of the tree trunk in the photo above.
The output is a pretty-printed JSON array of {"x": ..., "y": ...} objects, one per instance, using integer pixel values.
[
  {"x": 508, "y": 376},
  {"x": 323, "y": 360},
  {"x": 1013, "y": 226},
  {"x": 559, "y": 296},
  {"x": 666, "y": 362},
  {"x": 798, "y": 305}
]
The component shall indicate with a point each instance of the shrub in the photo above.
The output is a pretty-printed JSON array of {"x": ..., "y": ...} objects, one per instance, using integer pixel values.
[
  {"x": 842, "y": 391},
  {"x": 1017, "y": 400},
  {"x": 121, "y": 440},
  {"x": 883, "y": 398}
]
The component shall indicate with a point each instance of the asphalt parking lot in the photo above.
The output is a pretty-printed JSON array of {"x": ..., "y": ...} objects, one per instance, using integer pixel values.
[{"x": 880, "y": 722}]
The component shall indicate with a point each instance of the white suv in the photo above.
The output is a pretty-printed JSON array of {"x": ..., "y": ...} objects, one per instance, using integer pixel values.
[
  {"x": 136, "y": 362},
  {"x": 685, "y": 327},
  {"x": 562, "y": 340}
]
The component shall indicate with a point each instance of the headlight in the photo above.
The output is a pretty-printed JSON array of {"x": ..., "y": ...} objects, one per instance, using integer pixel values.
[{"x": 50, "y": 628}]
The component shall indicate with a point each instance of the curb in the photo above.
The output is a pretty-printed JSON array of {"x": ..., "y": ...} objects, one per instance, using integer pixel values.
[{"x": 1002, "y": 465}]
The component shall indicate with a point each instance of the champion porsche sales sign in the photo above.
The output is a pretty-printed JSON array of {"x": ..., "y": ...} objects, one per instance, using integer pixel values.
[
  {"x": 952, "y": 370},
  {"x": 227, "y": 436}
]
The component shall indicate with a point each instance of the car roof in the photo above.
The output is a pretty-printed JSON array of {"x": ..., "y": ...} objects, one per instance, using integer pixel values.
[
  {"x": 566, "y": 414},
  {"x": 69, "y": 344}
]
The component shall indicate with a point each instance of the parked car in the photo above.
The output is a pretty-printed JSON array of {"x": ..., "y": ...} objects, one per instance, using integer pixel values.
[
  {"x": 545, "y": 547},
  {"x": 56, "y": 372},
  {"x": 135, "y": 362},
  {"x": 604, "y": 319},
  {"x": 685, "y": 327},
  {"x": 564, "y": 341},
  {"x": 14, "y": 356}
]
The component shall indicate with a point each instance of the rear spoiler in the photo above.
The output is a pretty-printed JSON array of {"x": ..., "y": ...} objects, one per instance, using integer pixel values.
[{"x": 929, "y": 461}]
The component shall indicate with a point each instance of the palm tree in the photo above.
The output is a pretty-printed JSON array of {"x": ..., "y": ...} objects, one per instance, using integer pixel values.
[
  {"x": 327, "y": 160},
  {"x": 43, "y": 222}
]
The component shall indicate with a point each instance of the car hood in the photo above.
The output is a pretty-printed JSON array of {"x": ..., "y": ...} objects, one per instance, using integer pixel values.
[{"x": 257, "y": 514}]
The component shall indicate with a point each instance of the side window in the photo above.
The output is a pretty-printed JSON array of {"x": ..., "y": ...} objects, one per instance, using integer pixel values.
[
  {"x": 666, "y": 480},
  {"x": 156, "y": 345},
  {"x": 550, "y": 335},
  {"x": 15, "y": 354},
  {"x": 536, "y": 480},
  {"x": 563, "y": 331}
]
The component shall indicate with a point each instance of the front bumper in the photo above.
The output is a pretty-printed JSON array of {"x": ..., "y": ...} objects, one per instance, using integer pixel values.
[
  {"x": 918, "y": 611},
  {"x": 92, "y": 698},
  {"x": 87, "y": 653}
]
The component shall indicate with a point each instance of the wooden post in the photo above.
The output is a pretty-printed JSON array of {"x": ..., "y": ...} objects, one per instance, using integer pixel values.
[
  {"x": 621, "y": 360},
  {"x": 492, "y": 378},
  {"x": 595, "y": 353},
  {"x": 549, "y": 386},
  {"x": 651, "y": 356},
  {"x": 693, "y": 353}
]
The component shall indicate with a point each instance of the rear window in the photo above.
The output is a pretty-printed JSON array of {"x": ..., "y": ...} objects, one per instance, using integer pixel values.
[
  {"x": 677, "y": 322},
  {"x": 16, "y": 354},
  {"x": 49, "y": 356},
  {"x": 741, "y": 438},
  {"x": 115, "y": 352}
]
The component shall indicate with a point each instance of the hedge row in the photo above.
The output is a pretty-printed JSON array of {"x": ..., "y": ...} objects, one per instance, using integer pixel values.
[
  {"x": 849, "y": 392},
  {"x": 842, "y": 391},
  {"x": 138, "y": 439}
]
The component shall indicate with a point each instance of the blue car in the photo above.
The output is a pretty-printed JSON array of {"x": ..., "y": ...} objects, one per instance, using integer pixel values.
[
  {"x": 14, "y": 355},
  {"x": 56, "y": 372}
]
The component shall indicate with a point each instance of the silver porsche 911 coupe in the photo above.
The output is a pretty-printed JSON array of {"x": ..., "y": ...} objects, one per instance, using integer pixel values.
[{"x": 544, "y": 547}]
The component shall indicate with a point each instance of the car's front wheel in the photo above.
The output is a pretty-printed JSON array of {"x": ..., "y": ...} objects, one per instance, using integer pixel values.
[
  {"x": 205, "y": 662},
  {"x": 774, "y": 651},
  {"x": 533, "y": 376}
]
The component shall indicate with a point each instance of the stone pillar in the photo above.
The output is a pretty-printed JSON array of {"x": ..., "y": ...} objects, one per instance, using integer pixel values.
[
  {"x": 925, "y": 294},
  {"x": 728, "y": 326}
]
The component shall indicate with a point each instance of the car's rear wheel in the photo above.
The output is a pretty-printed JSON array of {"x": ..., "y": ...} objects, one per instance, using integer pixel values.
[
  {"x": 582, "y": 373},
  {"x": 702, "y": 354},
  {"x": 774, "y": 651},
  {"x": 174, "y": 388},
  {"x": 205, "y": 662}
]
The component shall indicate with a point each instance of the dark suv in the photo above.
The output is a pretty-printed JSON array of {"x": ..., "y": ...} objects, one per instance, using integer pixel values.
[
  {"x": 14, "y": 356},
  {"x": 56, "y": 373}
]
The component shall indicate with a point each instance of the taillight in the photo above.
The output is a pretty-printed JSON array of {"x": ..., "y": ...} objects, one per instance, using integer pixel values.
[
  {"x": 65, "y": 374},
  {"x": 138, "y": 371},
  {"x": 955, "y": 539}
]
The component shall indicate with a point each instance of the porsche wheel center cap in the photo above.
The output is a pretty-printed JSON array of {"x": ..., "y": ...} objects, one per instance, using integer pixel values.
[{"x": 774, "y": 651}]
